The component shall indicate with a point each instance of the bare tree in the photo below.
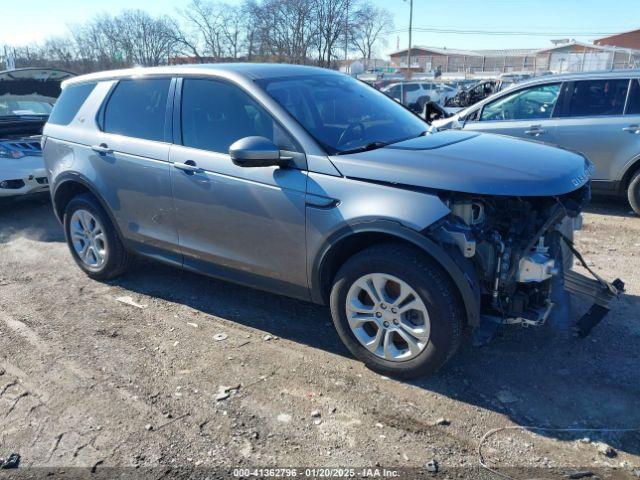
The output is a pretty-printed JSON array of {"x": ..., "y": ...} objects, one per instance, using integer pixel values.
[
  {"x": 369, "y": 24},
  {"x": 294, "y": 31},
  {"x": 250, "y": 15},
  {"x": 147, "y": 41},
  {"x": 97, "y": 45},
  {"x": 203, "y": 17},
  {"x": 331, "y": 26},
  {"x": 232, "y": 30},
  {"x": 186, "y": 40},
  {"x": 288, "y": 29}
]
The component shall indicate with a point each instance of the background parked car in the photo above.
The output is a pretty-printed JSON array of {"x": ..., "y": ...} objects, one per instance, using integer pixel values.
[
  {"x": 473, "y": 94},
  {"x": 418, "y": 93},
  {"x": 597, "y": 114},
  {"x": 26, "y": 99}
]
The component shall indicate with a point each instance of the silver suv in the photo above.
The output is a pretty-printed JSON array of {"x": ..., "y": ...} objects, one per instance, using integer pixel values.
[
  {"x": 311, "y": 184},
  {"x": 597, "y": 114}
]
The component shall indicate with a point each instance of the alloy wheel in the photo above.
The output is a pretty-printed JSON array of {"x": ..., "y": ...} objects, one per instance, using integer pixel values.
[
  {"x": 88, "y": 238},
  {"x": 388, "y": 317}
]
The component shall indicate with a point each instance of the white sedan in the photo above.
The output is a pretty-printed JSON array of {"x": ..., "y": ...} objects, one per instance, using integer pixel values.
[{"x": 26, "y": 98}]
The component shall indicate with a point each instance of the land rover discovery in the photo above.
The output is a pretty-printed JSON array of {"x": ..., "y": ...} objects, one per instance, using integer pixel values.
[{"x": 308, "y": 183}]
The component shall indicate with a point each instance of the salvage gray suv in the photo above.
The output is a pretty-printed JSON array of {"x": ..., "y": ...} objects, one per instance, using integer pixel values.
[{"x": 308, "y": 183}]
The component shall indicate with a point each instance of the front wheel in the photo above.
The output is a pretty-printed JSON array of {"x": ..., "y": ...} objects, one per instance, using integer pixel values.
[
  {"x": 397, "y": 311},
  {"x": 633, "y": 193}
]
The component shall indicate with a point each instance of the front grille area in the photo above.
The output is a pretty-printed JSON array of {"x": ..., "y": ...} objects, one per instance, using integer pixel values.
[{"x": 26, "y": 147}]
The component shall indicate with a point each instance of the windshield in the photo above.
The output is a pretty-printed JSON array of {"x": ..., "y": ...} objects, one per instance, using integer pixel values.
[{"x": 344, "y": 114}]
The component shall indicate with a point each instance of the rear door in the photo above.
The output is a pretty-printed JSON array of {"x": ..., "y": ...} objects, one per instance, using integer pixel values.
[
  {"x": 593, "y": 121},
  {"x": 130, "y": 155},
  {"x": 525, "y": 113},
  {"x": 243, "y": 224}
]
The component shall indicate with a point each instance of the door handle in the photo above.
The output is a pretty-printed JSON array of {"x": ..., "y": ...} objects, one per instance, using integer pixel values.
[
  {"x": 189, "y": 166},
  {"x": 535, "y": 131},
  {"x": 102, "y": 149},
  {"x": 632, "y": 129}
]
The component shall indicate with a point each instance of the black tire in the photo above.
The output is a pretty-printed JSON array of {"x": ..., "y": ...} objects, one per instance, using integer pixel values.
[
  {"x": 117, "y": 259},
  {"x": 633, "y": 192},
  {"x": 429, "y": 281}
]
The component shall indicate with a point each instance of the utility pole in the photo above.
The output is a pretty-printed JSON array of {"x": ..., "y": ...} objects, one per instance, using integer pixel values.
[
  {"x": 346, "y": 38},
  {"x": 408, "y": 76}
]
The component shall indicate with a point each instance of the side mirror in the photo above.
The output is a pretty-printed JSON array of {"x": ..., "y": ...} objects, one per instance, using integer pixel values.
[
  {"x": 458, "y": 123},
  {"x": 255, "y": 152}
]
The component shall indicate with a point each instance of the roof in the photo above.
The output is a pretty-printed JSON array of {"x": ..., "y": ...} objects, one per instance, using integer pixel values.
[
  {"x": 516, "y": 52},
  {"x": 580, "y": 76},
  {"x": 252, "y": 71},
  {"x": 513, "y": 52},
  {"x": 617, "y": 34},
  {"x": 604, "y": 48},
  {"x": 508, "y": 52},
  {"x": 437, "y": 50}
]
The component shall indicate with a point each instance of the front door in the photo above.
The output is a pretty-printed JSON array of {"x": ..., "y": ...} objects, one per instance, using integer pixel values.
[
  {"x": 525, "y": 113},
  {"x": 239, "y": 223}
]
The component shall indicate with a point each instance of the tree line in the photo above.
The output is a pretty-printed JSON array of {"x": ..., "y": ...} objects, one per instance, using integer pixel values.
[{"x": 317, "y": 32}]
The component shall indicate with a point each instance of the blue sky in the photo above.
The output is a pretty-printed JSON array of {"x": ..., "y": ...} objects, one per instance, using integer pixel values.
[{"x": 32, "y": 20}]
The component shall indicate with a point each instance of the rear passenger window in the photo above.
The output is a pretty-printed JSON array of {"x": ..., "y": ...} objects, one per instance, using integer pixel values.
[
  {"x": 411, "y": 87},
  {"x": 137, "y": 108},
  {"x": 69, "y": 102},
  {"x": 593, "y": 98},
  {"x": 216, "y": 114},
  {"x": 633, "y": 106}
]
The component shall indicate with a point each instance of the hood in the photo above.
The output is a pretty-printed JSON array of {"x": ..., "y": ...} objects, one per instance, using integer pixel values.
[
  {"x": 468, "y": 162},
  {"x": 43, "y": 83},
  {"x": 26, "y": 98}
]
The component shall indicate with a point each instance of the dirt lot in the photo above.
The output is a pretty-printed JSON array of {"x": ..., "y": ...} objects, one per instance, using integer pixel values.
[{"x": 89, "y": 381}]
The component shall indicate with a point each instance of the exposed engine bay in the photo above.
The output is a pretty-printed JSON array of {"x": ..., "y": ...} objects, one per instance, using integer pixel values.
[{"x": 514, "y": 252}]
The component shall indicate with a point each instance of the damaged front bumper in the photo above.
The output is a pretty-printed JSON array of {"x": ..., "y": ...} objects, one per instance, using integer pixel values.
[{"x": 596, "y": 289}]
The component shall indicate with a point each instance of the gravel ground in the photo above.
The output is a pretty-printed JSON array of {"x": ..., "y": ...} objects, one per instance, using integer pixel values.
[{"x": 209, "y": 376}]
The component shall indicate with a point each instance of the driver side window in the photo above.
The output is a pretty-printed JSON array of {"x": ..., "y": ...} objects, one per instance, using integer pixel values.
[
  {"x": 215, "y": 114},
  {"x": 528, "y": 104}
]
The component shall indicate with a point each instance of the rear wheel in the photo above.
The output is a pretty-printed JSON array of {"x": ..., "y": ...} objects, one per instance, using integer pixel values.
[
  {"x": 633, "y": 193},
  {"x": 397, "y": 311},
  {"x": 93, "y": 239}
]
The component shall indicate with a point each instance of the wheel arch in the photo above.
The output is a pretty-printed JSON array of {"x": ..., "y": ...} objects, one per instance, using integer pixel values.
[
  {"x": 71, "y": 184},
  {"x": 354, "y": 238},
  {"x": 630, "y": 170}
]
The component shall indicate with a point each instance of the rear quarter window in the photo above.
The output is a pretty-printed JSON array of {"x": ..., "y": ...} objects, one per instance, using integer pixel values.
[
  {"x": 69, "y": 102},
  {"x": 137, "y": 108}
]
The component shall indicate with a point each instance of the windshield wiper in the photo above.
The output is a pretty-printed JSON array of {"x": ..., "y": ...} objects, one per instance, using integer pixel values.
[{"x": 365, "y": 148}]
